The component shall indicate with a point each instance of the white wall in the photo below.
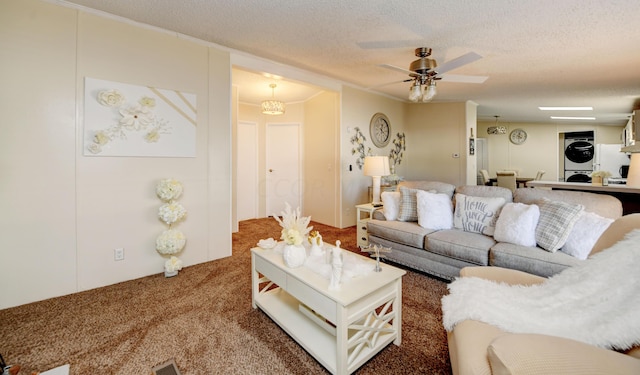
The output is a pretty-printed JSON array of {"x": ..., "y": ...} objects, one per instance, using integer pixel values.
[
  {"x": 67, "y": 212},
  {"x": 357, "y": 108}
]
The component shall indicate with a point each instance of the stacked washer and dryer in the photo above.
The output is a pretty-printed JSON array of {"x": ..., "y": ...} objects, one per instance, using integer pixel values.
[{"x": 579, "y": 151}]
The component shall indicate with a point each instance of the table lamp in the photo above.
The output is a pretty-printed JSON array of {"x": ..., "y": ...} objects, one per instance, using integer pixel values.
[
  {"x": 633, "y": 177},
  {"x": 376, "y": 167}
]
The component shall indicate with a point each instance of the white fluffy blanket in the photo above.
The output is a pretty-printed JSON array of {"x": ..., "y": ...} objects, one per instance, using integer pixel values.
[{"x": 596, "y": 302}]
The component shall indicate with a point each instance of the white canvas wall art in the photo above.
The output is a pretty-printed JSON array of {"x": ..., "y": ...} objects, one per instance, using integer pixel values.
[{"x": 130, "y": 120}]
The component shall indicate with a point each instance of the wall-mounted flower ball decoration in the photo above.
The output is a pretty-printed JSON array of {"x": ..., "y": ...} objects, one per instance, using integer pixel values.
[{"x": 171, "y": 241}]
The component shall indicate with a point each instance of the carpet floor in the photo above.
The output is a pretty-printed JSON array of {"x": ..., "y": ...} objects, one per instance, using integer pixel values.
[{"x": 203, "y": 319}]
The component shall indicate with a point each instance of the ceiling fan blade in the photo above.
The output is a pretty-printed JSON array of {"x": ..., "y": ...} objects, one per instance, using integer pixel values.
[
  {"x": 401, "y": 70},
  {"x": 458, "y": 62},
  {"x": 388, "y": 84},
  {"x": 462, "y": 78}
]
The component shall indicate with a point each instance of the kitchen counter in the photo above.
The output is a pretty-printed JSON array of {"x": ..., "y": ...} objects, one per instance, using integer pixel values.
[{"x": 629, "y": 196}]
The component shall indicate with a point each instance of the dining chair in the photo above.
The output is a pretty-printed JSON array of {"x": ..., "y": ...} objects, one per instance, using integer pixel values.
[
  {"x": 485, "y": 177},
  {"x": 540, "y": 174},
  {"x": 507, "y": 179}
]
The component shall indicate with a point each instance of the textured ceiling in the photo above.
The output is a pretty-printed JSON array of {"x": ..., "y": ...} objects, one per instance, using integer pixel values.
[{"x": 535, "y": 53}]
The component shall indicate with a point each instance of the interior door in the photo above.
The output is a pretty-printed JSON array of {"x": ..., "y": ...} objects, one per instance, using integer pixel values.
[
  {"x": 247, "y": 159},
  {"x": 283, "y": 175}
]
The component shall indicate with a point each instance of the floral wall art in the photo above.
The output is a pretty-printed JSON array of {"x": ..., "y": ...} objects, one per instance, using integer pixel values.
[{"x": 129, "y": 120}]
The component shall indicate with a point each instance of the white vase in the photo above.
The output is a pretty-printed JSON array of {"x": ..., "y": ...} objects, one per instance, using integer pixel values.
[{"x": 294, "y": 255}]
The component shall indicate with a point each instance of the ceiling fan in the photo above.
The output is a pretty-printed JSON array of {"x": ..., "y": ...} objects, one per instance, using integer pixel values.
[{"x": 424, "y": 73}]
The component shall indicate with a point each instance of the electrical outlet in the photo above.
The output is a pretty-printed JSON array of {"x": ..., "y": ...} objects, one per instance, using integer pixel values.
[{"x": 118, "y": 254}]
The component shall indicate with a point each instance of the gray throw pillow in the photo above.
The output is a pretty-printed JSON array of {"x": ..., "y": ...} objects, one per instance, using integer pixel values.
[
  {"x": 556, "y": 222},
  {"x": 408, "y": 204}
]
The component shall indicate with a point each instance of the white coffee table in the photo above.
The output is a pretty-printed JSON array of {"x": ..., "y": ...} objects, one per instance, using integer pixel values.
[{"x": 341, "y": 329}]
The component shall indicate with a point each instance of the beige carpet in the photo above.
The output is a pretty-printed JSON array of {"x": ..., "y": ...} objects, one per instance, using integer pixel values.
[{"x": 203, "y": 318}]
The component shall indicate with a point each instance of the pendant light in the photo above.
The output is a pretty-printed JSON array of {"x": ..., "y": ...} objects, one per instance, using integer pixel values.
[{"x": 272, "y": 106}]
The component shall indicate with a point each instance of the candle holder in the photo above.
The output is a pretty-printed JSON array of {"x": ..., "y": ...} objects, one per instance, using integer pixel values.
[{"x": 378, "y": 252}]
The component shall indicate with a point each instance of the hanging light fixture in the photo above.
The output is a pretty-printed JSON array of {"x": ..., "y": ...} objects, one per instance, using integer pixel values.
[
  {"x": 422, "y": 89},
  {"x": 272, "y": 106}
]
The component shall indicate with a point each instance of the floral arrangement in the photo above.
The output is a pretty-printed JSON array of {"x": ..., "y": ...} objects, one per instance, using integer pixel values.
[
  {"x": 173, "y": 264},
  {"x": 397, "y": 152},
  {"x": 138, "y": 117},
  {"x": 601, "y": 174},
  {"x": 358, "y": 142},
  {"x": 171, "y": 212},
  {"x": 169, "y": 189},
  {"x": 294, "y": 226},
  {"x": 170, "y": 241}
]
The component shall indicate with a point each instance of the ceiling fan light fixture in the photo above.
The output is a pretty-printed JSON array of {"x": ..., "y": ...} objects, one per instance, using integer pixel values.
[
  {"x": 415, "y": 91},
  {"x": 272, "y": 106},
  {"x": 429, "y": 92}
]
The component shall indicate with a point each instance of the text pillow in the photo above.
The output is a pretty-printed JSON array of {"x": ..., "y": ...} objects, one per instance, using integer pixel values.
[
  {"x": 435, "y": 211},
  {"x": 556, "y": 222},
  {"x": 517, "y": 224},
  {"x": 477, "y": 214},
  {"x": 584, "y": 234},
  {"x": 390, "y": 204}
]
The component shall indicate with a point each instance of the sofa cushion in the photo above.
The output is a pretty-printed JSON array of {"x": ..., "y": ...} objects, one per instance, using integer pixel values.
[
  {"x": 477, "y": 214},
  {"x": 555, "y": 224},
  {"x": 517, "y": 224},
  {"x": 601, "y": 204},
  {"x": 437, "y": 186},
  {"x": 407, "y": 233},
  {"x": 530, "y": 259},
  {"x": 486, "y": 191},
  {"x": 390, "y": 204},
  {"x": 458, "y": 244},
  {"x": 435, "y": 210}
]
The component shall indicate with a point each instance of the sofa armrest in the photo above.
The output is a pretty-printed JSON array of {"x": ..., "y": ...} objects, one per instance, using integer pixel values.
[
  {"x": 542, "y": 354},
  {"x": 499, "y": 274}
]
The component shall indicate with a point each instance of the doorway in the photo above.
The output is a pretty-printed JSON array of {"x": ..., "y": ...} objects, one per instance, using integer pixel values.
[{"x": 283, "y": 167}]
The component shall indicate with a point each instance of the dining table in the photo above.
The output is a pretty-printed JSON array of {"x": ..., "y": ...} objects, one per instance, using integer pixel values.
[{"x": 520, "y": 181}]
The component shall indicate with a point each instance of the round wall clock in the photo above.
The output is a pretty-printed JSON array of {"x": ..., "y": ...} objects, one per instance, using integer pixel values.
[
  {"x": 380, "y": 129},
  {"x": 518, "y": 136}
]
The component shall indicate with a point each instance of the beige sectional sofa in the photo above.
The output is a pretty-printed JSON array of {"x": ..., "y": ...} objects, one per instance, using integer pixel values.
[{"x": 444, "y": 252}]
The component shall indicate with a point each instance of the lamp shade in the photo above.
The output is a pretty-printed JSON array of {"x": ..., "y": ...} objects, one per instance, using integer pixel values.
[
  {"x": 376, "y": 166},
  {"x": 633, "y": 177}
]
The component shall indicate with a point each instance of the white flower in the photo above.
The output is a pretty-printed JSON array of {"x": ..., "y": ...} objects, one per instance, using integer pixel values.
[
  {"x": 146, "y": 101},
  {"x": 152, "y": 136},
  {"x": 101, "y": 138},
  {"x": 94, "y": 148},
  {"x": 110, "y": 98},
  {"x": 171, "y": 212},
  {"x": 169, "y": 189},
  {"x": 170, "y": 241},
  {"x": 173, "y": 264},
  {"x": 136, "y": 117},
  {"x": 291, "y": 237},
  {"x": 294, "y": 226}
]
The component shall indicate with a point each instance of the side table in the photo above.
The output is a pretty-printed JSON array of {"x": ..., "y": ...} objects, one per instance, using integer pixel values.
[{"x": 364, "y": 213}]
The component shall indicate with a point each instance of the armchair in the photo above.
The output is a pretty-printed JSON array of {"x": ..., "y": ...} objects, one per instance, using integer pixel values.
[{"x": 479, "y": 348}]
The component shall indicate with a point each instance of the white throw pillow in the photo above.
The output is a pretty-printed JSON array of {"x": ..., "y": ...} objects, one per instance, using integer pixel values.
[
  {"x": 477, "y": 214},
  {"x": 435, "y": 211},
  {"x": 517, "y": 224},
  {"x": 585, "y": 234},
  {"x": 391, "y": 204},
  {"x": 556, "y": 222}
]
